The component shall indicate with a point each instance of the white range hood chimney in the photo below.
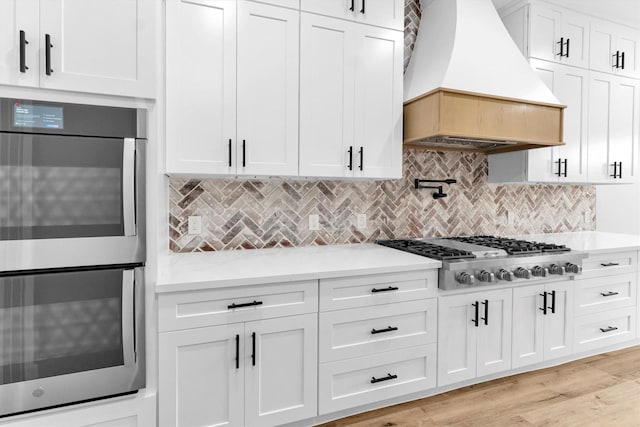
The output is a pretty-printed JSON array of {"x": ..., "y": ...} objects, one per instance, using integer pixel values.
[{"x": 468, "y": 87}]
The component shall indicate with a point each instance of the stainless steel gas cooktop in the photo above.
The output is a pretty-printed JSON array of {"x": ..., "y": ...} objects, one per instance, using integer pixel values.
[{"x": 485, "y": 260}]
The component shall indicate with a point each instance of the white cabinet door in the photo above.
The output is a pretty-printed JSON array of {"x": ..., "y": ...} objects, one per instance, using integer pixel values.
[
  {"x": 201, "y": 86},
  {"x": 20, "y": 61},
  {"x": 327, "y": 57},
  {"x": 97, "y": 46},
  {"x": 456, "y": 339},
  {"x": 570, "y": 85},
  {"x": 281, "y": 376},
  {"x": 200, "y": 381},
  {"x": 559, "y": 35},
  {"x": 378, "y": 103},
  {"x": 268, "y": 60},
  {"x": 558, "y": 322},
  {"x": 381, "y": 13},
  {"x": 608, "y": 44},
  {"x": 494, "y": 332},
  {"x": 613, "y": 128},
  {"x": 528, "y": 326}
]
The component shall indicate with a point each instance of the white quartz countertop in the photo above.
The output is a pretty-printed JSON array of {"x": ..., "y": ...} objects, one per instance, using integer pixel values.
[
  {"x": 193, "y": 271},
  {"x": 590, "y": 241}
]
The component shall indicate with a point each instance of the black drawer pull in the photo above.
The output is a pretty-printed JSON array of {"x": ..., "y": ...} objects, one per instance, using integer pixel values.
[
  {"x": 608, "y": 294},
  {"x": 609, "y": 264},
  {"x": 390, "y": 288},
  {"x": 387, "y": 378},
  {"x": 23, "y": 48},
  {"x": 381, "y": 331},
  {"x": 237, "y": 351},
  {"x": 246, "y": 304},
  {"x": 609, "y": 329},
  {"x": 47, "y": 57}
]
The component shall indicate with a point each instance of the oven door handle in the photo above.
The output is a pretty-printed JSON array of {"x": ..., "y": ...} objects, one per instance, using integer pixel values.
[
  {"x": 129, "y": 186},
  {"x": 129, "y": 317}
]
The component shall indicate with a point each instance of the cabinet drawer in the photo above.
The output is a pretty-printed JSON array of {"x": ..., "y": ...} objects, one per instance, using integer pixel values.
[
  {"x": 605, "y": 293},
  {"x": 348, "y": 383},
  {"x": 610, "y": 264},
  {"x": 364, "y": 291},
  {"x": 364, "y": 331},
  {"x": 602, "y": 329},
  {"x": 239, "y": 304}
]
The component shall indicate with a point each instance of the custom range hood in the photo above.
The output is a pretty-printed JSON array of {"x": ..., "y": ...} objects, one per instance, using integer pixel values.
[{"x": 468, "y": 87}]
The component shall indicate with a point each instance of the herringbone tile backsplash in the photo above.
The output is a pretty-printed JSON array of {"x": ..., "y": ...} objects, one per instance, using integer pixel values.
[{"x": 245, "y": 214}]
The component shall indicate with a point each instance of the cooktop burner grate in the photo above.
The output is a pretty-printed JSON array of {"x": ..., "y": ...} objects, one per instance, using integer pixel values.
[
  {"x": 512, "y": 246},
  {"x": 426, "y": 249}
]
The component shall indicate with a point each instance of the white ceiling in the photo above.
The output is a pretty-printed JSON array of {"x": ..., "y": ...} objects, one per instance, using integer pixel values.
[{"x": 623, "y": 11}]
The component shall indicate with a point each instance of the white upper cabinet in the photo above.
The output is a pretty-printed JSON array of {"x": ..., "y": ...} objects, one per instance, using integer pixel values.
[
  {"x": 19, "y": 38},
  {"x": 267, "y": 127},
  {"x": 614, "y": 49},
  {"x": 558, "y": 35},
  {"x": 80, "y": 45},
  {"x": 350, "y": 99},
  {"x": 201, "y": 86},
  {"x": 613, "y": 128},
  {"x": 381, "y": 13},
  {"x": 232, "y": 88}
]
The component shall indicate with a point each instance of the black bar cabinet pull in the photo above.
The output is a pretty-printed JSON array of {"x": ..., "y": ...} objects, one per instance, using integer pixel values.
[
  {"x": 544, "y": 303},
  {"x": 553, "y": 302},
  {"x": 350, "y": 159},
  {"x": 245, "y": 304},
  {"x": 23, "y": 48},
  {"x": 608, "y": 294},
  {"x": 353, "y": 5},
  {"x": 229, "y": 152},
  {"x": 615, "y": 171},
  {"x": 237, "y": 351},
  {"x": 561, "y": 43},
  {"x": 477, "y": 308},
  {"x": 620, "y": 170},
  {"x": 622, "y": 57},
  {"x": 244, "y": 153},
  {"x": 617, "y": 56},
  {"x": 387, "y": 378},
  {"x": 253, "y": 349},
  {"x": 486, "y": 311},
  {"x": 362, "y": 10},
  {"x": 609, "y": 264},
  {"x": 361, "y": 152},
  {"x": 381, "y": 331},
  {"x": 47, "y": 56},
  {"x": 559, "y": 162},
  {"x": 387, "y": 289},
  {"x": 565, "y": 167},
  {"x": 567, "y": 55},
  {"x": 609, "y": 329}
]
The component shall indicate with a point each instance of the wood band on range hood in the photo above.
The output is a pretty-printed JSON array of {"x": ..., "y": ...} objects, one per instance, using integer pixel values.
[{"x": 445, "y": 113}]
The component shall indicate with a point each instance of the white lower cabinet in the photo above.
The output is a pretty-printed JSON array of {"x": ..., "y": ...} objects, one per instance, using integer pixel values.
[
  {"x": 474, "y": 333},
  {"x": 258, "y": 373},
  {"x": 358, "y": 381},
  {"x": 542, "y": 322}
]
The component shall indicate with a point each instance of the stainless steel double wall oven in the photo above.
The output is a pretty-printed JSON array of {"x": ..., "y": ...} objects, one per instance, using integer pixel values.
[{"x": 72, "y": 251}]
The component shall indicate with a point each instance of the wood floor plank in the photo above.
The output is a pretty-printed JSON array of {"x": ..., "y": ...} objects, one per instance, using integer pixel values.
[{"x": 602, "y": 391}]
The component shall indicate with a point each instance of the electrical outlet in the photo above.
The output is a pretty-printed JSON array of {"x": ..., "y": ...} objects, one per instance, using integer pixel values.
[
  {"x": 587, "y": 216},
  {"x": 195, "y": 224},
  {"x": 314, "y": 222},
  {"x": 511, "y": 218},
  {"x": 361, "y": 221}
]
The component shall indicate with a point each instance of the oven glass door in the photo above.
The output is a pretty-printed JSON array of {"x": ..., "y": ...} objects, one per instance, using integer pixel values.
[
  {"x": 64, "y": 323},
  {"x": 55, "y": 186}
]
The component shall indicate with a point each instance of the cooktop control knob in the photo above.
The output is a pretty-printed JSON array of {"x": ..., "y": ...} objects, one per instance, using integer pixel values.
[
  {"x": 503, "y": 274},
  {"x": 486, "y": 276},
  {"x": 465, "y": 278},
  {"x": 556, "y": 269},
  {"x": 539, "y": 271},
  {"x": 522, "y": 273},
  {"x": 573, "y": 268}
]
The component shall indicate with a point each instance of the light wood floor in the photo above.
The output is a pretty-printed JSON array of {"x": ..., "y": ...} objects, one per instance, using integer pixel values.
[{"x": 600, "y": 391}]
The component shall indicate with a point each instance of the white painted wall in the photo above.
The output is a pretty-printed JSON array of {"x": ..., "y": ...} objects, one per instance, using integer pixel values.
[{"x": 618, "y": 208}]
